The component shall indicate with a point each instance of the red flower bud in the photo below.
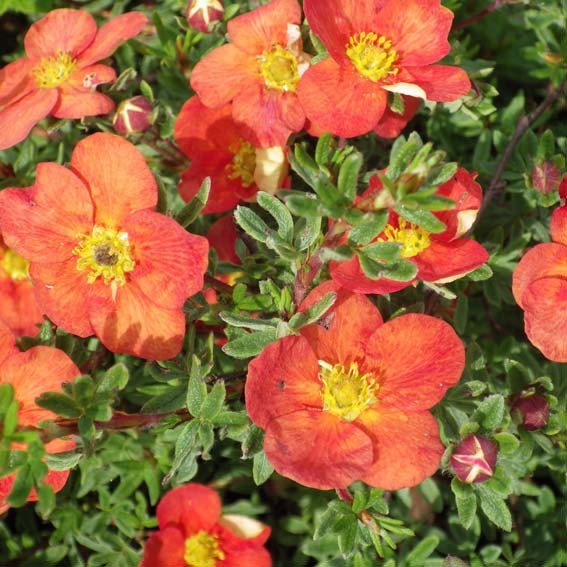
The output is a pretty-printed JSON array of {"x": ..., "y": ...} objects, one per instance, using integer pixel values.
[
  {"x": 202, "y": 13},
  {"x": 474, "y": 458},
  {"x": 534, "y": 410},
  {"x": 133, "y": 115},
  {"x": 546, "y": 177},
  {"x": 563, "y": 187}
]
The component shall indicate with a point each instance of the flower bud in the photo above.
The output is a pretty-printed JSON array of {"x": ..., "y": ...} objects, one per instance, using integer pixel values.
[
  {"x": 534, "y": 410},
  {"x": 133, "y": 115},
  {"x": 546, "y": 177},
  {"x": 202, "y": 13},
  {"x": 474, "y": 458}
]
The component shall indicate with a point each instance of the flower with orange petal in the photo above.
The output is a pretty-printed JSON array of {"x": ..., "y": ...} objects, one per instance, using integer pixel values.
[
  {"x": 60, "y": 72},
  {"x": 539, "y": 285},
  {"x": 103, "y": 261},
  {"x": 18, "y": 307},
  {"x": 439, "y": 258},
  {"x": 217, "y": 149},
  {"x": 31, "y": 373},
  {"x": 348, "y": 399},
  {"x": 192, "y": 533},
  {"x": 259, "y": 72},
  {"x": 376, "y": 47}
]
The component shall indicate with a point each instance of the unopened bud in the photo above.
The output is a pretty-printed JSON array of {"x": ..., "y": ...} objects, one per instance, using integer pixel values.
[
  {"x": 474, "y": 458},
  {"x": 546, "y": 177},
  {"x": 133, "y": 115},
  {"x": 563, "y": 187},
  {"x": 534, "y": 410},
  {"x": 202, "y": 13},
  {"x": 553, "y": 58}
]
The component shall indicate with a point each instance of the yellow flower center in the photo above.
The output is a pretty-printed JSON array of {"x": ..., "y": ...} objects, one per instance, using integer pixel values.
[
  {"x": 15, "y": 266},
  {"x": 243, "y": 163},
  {"x": 372, "y": 56},
  {"x": 202, "y": 550},
  {"x": 278, "y": 67},
  {"x": 106, "y": 253},
  {"x": 52, "y": 71},
  {"x": 413, "y": 238},
  {"x": 346, "y": 394}
]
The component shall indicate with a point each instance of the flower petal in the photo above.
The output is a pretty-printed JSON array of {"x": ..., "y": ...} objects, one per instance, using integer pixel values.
[
  {"x": 119, "y": 180},
  {"x": 545, "y": 304},
  {"x": 7, "y": 343},
  {"x": 17, "y": 119},
  {"x": 338, "y": 100},
  {"x": 558, "y": 225},
  {"x": 63, "y": 30},
  {"x": 222, "y": 74},
  {"x": 37, "y": 223},
  {"x": 407, "y": 447},
  {"x": 73, "y": 103},
  {"x": 15, "y": 81},
  {"x": 134, "y": 324},
  {"x": 170, "y": 262},
  {"x": 165, "y": 548},
  {"x": 391, "y": 124},
  {"x": 194, "y": 507},
  {"x": 18, "y": 307},
  {"x": 334, "y": 454},
  {"x": 246, "y": 556},
  {"x": 284, "y": 378},
  {"x": 420, "y": 357},
  {"x": 259, "y": 29},
  {"x": 63, "y": 293},
  {"x": 441, "y": 83},
  {"x": 109, "y": 37}
]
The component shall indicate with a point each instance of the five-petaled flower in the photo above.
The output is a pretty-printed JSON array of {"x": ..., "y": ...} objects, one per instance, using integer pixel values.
[
  {"x": 103, "y": 261},
  {"x": 439, "y": 257},
  {"x": 60, "y": 72},
  {"x": 539, "y": 285},
  {"x": 259, "y": 72},
  {"x": 40, "y": 369},
  {"x": 376, "y": 47},
  {"x": 238, "y": 169},
  {"x": 192, "y": 533},
  {"x": 359, "y": 390}
]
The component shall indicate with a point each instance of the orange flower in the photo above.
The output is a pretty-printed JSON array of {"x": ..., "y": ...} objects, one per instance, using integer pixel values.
[
  {"x": 39, "y": 369},
  {"x": 103, "y": 261},
  {"x": 376, "y": 47},
  {"x": 60, "y": 72},
  {"x": 440, "y": 257},
  {"x": 259, "y": 72},
  {"x": 217, "y": 149},
  {"x": 348, "y": 398},
  {"x": 194, "y": 534},
  {"x": 539, "y": 285},
  {"x": 18, "y": 307}
]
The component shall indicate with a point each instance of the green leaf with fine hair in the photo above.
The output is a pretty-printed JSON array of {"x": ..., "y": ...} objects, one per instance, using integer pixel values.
[
  {"x": 325, "y": 148},
  {"x": 191, "y": 211},
  {"x": 384, "y": 251},
  {"x": 402, "y": 153},
  {"x": 349, "y": 172},
  {"x": 196, "y": 388},
  {"x": 494, "y": 507},
  {"x": 368, "y": 228},
  {"x": 250, "y": 344},
  {"x": 62, "y": 461},
  {"x": 490, "y": 412},
  {"x": 466, "y": 508},
  {"x": 251, "y": 223},
  {"x": 60, "y": 404},
  {"x": 280, "y": 213},
  {"x": 303, "y": 204},
  {"x": 212, "y": 404},
  {"x": 400, "y": 270},
  {"x": 22, "y": 486},
  {"x": 441, "y": 175},
  {"x": 481, "y": 274},
  {"x": 262, "y": 469},
  {"x": 245, "y": 322},
  {"x": 307, "y": 232},
  {"x": 424, "y": 219},
  {"x": 115, "y": 378},
  {"x": 314, "y": 313},
  {"x": 417, "y": 556}
]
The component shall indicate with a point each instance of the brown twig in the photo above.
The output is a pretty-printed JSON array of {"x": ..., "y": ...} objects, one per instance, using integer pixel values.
[{"x": 218, "y": 285}]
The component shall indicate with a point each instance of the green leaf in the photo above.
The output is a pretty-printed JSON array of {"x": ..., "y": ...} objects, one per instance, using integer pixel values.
[
  {"x": 196, "y": 389},
  {"x": 307, "y": 232},
  {"x": 62, "y": 461},
  {"x": 384, "y": 251},
  {"x": 481, "y": 274},
  {"x": 369, "y": 228},
  {"x": 303, "y": 205},
  {"x": 417, "y": 556},
  {"x": 426, "y": 220},
  {"x": 401, "y": 271},
  {"x": 490, "y": 412},
  {"x": 442, "y": 175},
  {"x": 461, "y": 314},
  {"x": 214, "y": 401},
  {"x": 115, "y": 378},
  {"x": 253, "y": 224},
  {"x": 250, "y": 344},
  {"x": 324, "y": 149},
  {"x": 401, "y": 154},
  {"x": 60, "y": 404},
  {"x": 22, "y": 486},
  {"x": 466, "y": 508},
  {"x": 261, "y": 468},
  {"x": 396, "y": 103},
  {"x": 314, "y": 313},
  {"x": 507, "y": 443},
  {"x": 245, "y": 322},
  {"x": 348, "y": 175},
  {"x": 191, "y": 211},
  {"x": 280, "y": 213},
  {"x": 495, "y": 508}
]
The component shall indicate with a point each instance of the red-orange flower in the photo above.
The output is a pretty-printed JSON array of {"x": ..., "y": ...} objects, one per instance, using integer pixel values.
[
  {"x": 439, "y": 257},
  {"x": 217, "y": 149},
  {"x": 259, "y": 72},
  {"x": 39, "y": 369},
  {"x": 539, "y": 285},
  {"x": 194, "y": 534},
  {"x": 18, "y": 307},
  {"x": 376, "y": 47},
  {"x": 59, "y": 74},
  {"x": 103, "y": 261},
  {"x": 348, "y": 398}
]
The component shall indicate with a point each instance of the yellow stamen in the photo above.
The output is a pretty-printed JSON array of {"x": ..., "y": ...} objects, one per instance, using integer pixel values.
[
  {"x": 279, "y": 69},
  {"x": 413, "y": 238},
  {"x": 52, "y": 71},
  {"x": 243, "y": 163},
  {"x": 346, "y": 394},
  {"x": 372, "y": 56},
  {"x": 203, "y": 550},
  {"x": 106, "y": 253},
  {"x": 15, "y": 266}
]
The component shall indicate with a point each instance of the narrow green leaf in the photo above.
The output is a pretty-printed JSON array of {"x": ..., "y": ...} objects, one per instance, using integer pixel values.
[
  {"x": 248, "y": 322},
  {"x": 417, "y": 556},
  {"x": 348, "y": 175},
  {"x": 481, "y": 274},
  {"x": 196, "y": 388},
  {"x": 60, "y": 404},
  {"x": 384, "y": 251},
  {"x": 466, "y": 508},
  {"x": 304, "y": 205},
  {"x": 22, "y": 486},
  {"x": 214, "y": 401},
  {"x": 191, "y": 211},
  {"x": 314, "y": 313},
  {"x": 261, "y": 468},
  {"x": 115, "y": 378},
  {"x": 368, "y": 228},
  {"x": 324, "y": 149},
  {"x": 490, "y": 412},
  {"x": 280, "y": 213},
  {"x": 252, "y": 224},
  {"x": 495, "y": 508},
  {"x": 426, "y": 220},
  {"x": 249, "y": 345},
  {"x": 307, "y": 232}
]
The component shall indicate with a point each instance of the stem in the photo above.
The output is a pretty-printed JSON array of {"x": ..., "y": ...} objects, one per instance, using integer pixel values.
[
  {"x": 218, "y": 285},
  {"x": 473, "y": 19}
]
